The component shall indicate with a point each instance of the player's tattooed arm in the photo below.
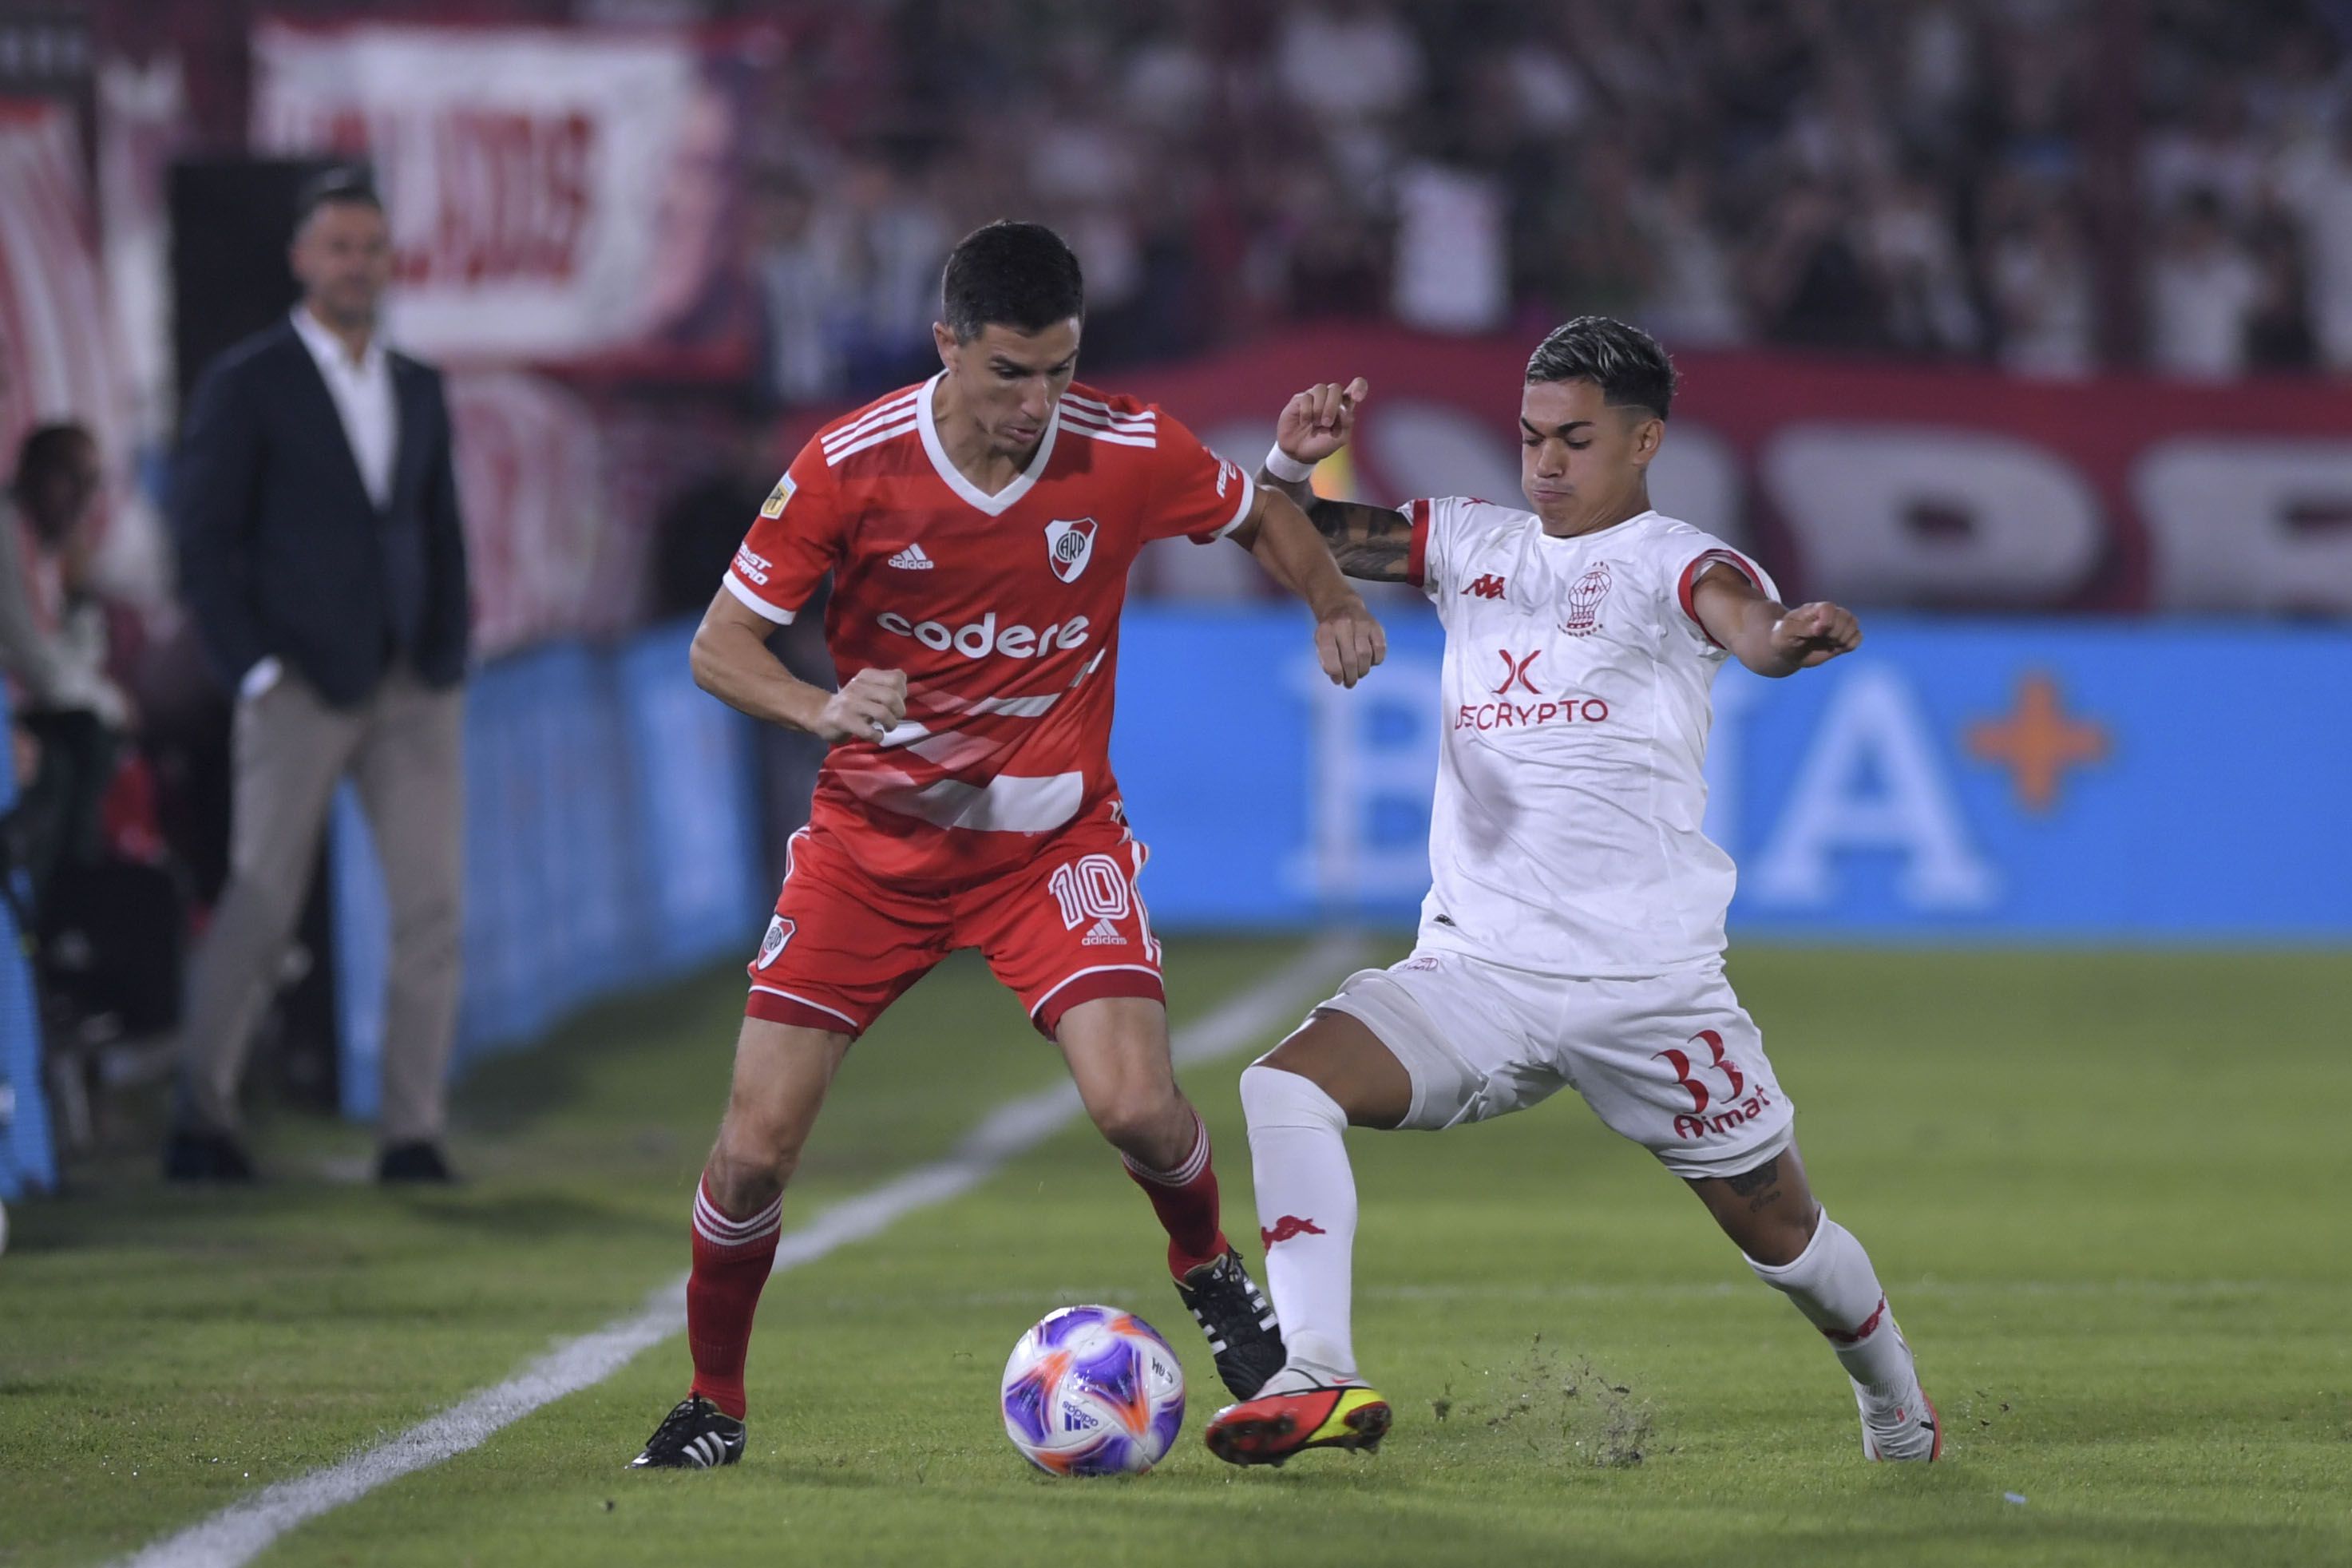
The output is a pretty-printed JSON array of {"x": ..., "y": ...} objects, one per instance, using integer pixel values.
[
  {"x": 1766, "y": 637},
  {"x": 1374, "y": 542}
]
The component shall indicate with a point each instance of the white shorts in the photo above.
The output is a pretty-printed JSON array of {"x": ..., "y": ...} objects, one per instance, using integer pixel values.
[{"x": 1671, "y": 1061}]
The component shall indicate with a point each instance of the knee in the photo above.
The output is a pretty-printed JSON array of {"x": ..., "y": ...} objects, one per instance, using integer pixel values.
[
  {"x": 1144, "y": 1124},
  {"x": 1782, "y": 1238},
  {"x": 750, "y": 1164},
  {"x": 1273, "y": 1096}
]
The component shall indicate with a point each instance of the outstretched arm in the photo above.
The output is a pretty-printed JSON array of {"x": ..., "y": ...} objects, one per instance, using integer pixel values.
[
  {"x": 1762, "y": 634},
  {"x": 1374, "y": 542}
]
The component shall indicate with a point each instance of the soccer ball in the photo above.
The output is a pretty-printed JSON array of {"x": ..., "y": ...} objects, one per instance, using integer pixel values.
[{"x": 1093, "y": 1390}]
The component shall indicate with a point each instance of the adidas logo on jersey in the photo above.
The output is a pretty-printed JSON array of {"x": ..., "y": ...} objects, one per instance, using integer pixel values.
[
  {"x": 1487, "y": 586},
  {"x": 1104, "y": 934},
  {"x": 912, "y": 559}
]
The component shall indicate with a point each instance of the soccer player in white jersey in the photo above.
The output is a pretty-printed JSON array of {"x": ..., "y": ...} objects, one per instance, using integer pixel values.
[{"x": 1573, "y": 933}]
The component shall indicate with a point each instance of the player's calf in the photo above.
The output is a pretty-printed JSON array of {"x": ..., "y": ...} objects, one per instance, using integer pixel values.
[
  {"x": 782, "y": 1072},
  {"x": 1796, "y": 1249}
]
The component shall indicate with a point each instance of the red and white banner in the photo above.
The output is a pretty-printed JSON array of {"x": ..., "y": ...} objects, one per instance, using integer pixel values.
[
  {"x": 554, "y": 196},
  {"x": 60, "y": 356},
  {"x": 1879, "y": 486}
]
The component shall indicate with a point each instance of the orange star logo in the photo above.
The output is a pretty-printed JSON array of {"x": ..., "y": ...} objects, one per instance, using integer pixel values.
[{"x": 2038, "y": 743}]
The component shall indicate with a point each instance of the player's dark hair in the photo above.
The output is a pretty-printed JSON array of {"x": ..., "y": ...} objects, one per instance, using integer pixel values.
[
  {"x": 349, "y": 185},
  {"x": 1625, "y": 363},
  {"x": 1017, "y": 275}
]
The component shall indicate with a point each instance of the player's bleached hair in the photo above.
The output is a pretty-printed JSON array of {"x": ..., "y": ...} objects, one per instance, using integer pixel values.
[
  {"x": 1018, "y": 275},
  {"x": 1625, "y": 361}
]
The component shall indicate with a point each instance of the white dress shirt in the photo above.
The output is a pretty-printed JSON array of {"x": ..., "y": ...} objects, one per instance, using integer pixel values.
[{"x": 361, "y": 389}]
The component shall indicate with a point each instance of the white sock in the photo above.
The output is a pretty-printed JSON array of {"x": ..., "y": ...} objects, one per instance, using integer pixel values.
[
  {"x": 1833, "y": 1285},
  {"x": 1306, "y": 1211}
]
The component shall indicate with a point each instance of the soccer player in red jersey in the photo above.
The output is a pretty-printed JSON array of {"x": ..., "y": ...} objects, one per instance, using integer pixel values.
[{"x": 979, "y": 528}]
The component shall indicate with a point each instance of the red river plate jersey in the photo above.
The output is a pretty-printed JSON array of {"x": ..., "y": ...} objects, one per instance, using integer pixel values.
[{"x": 1001, "y": 609}]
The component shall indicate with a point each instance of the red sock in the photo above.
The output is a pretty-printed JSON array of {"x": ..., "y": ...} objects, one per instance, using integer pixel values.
[
  {"x": 1185, "y": 1199},
  {"x": 731, "y": 1259}
]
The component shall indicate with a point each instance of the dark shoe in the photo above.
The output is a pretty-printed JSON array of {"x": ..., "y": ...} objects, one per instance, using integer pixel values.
[
  {"x": 192, "y": 1155},
  {"x": 695, "y": 1436},
  {"x": 414, "y": 1163},
  {"x": 1239, "y": 1321}
]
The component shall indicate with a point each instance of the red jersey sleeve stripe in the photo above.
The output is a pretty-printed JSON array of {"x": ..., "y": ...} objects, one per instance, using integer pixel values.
[
  {"x": 1416, "y": 558},
  {"x": 1700, "y": 563}
]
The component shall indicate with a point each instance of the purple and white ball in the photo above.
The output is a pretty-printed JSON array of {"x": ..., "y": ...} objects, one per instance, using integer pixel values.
[{"x": 1093, "y": 1390}]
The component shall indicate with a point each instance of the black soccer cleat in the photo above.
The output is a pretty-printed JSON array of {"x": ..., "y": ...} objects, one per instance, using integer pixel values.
[
  {"x": 695, "y": 1436},
  {"x": 1239, "y": 1321}
]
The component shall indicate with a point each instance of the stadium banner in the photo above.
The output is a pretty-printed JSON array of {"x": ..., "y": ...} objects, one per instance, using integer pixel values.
[
  {"x": 611, "y": 841},
  {"x": 554, "y": 196},
  {"x": 1945, "y": 488},
  {"x": 61, "y": 355},
  {"x": 1952, "y": 781}
]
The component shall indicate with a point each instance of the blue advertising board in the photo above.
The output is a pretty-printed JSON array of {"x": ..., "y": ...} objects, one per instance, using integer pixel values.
[
  {"x": 1951, "y": 782},
  {"x": 1993, "y": 780}
]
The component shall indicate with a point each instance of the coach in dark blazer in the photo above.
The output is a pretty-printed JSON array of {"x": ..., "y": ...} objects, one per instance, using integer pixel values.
[{"x": 322, "y": 559}]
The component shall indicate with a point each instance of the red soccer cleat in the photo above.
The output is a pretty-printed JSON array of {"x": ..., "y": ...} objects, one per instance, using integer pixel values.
[{"x": 1270, "y": 1428}]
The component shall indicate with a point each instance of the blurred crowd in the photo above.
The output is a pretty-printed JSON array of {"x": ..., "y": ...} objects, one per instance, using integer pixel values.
[{"x": 2052, "y": 185}]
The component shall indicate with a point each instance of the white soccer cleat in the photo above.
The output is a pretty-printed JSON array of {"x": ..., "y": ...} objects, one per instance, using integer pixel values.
[{"x": 1906, "y": 1430}]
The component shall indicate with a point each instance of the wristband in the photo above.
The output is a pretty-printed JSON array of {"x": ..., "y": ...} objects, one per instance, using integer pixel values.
[{"x": 1286, "y": 467}]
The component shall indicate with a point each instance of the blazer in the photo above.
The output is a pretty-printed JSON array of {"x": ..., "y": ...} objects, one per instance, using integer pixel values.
[{"x": 281, "y": 551}]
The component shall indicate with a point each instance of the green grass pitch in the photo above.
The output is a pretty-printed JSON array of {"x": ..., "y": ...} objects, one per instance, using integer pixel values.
[{"x": 2107, "y": 1193}]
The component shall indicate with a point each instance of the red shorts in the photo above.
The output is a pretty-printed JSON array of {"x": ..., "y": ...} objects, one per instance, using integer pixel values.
[{"x": 1064, "y": 927}]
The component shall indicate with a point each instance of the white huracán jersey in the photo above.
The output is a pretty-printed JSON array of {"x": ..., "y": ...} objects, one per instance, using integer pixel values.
[{"x": 1565, "y": 837}]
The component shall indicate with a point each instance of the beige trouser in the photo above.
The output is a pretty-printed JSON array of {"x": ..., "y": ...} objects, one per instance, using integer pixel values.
[{"x": 402, "y": 748}]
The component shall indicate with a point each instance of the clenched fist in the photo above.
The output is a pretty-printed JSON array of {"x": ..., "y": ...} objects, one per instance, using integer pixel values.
[
  {"x": 1814, "y": 634},
  {"x": 865, "y": 708}
]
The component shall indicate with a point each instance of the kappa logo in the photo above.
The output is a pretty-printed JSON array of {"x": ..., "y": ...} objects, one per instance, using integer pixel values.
[
  {"x": 773, "y": 507},
  {"x": 1289, "y": 1227},
  {"x": 780, "y": 932},
  {"x": 1070, "y": 545},
  {"x": 1484, "y": 586},
  {"x": 1584, "y": 601}
]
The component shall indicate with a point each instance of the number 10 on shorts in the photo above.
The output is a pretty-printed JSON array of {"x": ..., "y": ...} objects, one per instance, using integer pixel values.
[
  {"x": 1097, "y": 890},
  {"x": 1091, "y": 888}
]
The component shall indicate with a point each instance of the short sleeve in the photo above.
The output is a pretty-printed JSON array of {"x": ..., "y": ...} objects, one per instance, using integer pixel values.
[
  {"x": 1690, "y": 554},
  {"x": 794, "y": 541},
  {"x": 1430, "y": 550},
  {"x": 1194, "y": 493}
]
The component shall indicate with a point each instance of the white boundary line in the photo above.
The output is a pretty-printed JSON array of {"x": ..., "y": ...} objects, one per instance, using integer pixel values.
[{"x": 246, "y": 1529}]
